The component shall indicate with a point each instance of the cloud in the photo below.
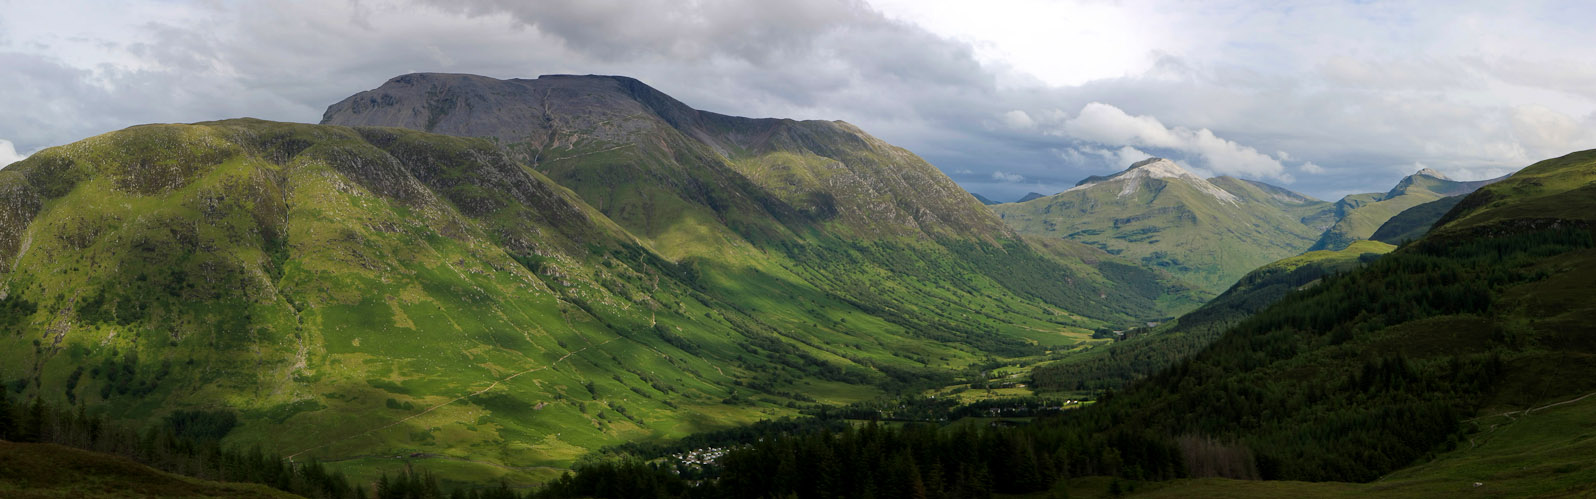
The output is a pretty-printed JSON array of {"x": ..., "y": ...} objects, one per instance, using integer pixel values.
[
  {"x": 1417, "y": 74},
  {"x": 1488, "y": 87},
  {"x": 1007, "y": 177},
  {"x": 1545, "y": 132},
  {"x": 1117, "y": 159},
  {"x": 1108, "y": 125},
  {"x": 8, "y": 154},
  {"x": 1018, "y": 119}
]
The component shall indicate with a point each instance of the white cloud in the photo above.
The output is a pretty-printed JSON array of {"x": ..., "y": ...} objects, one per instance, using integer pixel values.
[
  {"x": 1117, "y": 159},
  {"x": 1108, "y": 125},
  {"x": 1544, "y": 132},
  {"x": 1311, "y": 168},
  {"x": 1018, "y": 119},
  {"x": 8, "y": 154},
  {"x": 1007, "y": 177}
]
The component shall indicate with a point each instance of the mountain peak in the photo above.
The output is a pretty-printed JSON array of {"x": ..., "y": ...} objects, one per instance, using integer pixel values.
[
  {"x": 1156, "y": 168},
  {"x": 1159, "y": 168},
  {"x": 1430, "y": 172}
]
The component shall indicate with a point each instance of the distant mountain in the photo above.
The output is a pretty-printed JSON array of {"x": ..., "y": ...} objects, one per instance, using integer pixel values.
[
  {"x": 1414, "y": 222},
  {"x": 1029, "y": 196},
  {"x": 1360, "y": 215},
  {"x": 983, "y": 199},
  {"x": 1316, "y": 214},
  {"x": 1209, "y": 232}
]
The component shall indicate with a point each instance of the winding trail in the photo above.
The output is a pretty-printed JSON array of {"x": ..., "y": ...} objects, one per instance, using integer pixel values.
[
  {"x": 1473, "y": 444},
  {"x": 495, "y": 384},
  {"x": 1526, "y": 412}
]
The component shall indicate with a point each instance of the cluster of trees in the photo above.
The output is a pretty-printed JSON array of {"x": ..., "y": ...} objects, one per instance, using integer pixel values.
[
  {"x": 1142, "y": 352},
  {"x": 912, "y": 461},
  {"x": 929, "y": 409}
]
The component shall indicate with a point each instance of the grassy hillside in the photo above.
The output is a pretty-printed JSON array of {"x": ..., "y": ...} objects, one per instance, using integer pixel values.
[
  {"x": 1537, "y": 452},
  {"x": 1462, "y": 358},
  {"x": 1363, "y": 214},
  {"x": 1207, "y": 233},
  {"x": 820, "y": 202},
  {"x": 1481, "y": 316},
  {"x": 352, "y": 293},
  {"x": 1140, "y": 352},
  {"x": 40, "y": 471},
  {"x": 1414, "y": 222},
  {"x": 357, "y": 293}
]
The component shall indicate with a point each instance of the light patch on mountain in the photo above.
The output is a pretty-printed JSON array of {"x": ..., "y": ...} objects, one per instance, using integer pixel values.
[{"x": 1158, "y": 168}]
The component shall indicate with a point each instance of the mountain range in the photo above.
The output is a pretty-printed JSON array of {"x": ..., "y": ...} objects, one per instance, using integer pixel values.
[
  {"x": 1206, "y": 231},
  {"x": 1359, "y": 216},
  {"x": 598, "y": 263},
  {"x": 495, "y": 278}
]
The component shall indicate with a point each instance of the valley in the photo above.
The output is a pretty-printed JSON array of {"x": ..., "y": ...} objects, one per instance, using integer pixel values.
[{"x": 578, "y": 286}]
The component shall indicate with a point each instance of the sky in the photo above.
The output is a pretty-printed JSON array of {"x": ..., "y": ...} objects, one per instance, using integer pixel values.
[{"x": 1005, "y": 96}]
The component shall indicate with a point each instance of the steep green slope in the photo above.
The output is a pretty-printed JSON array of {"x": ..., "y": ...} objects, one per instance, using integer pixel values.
[
  {"x": 1378, "y": 369},
  {"x": 1141, "y": 352},
  {"x": 353, "y": 293},
  {"x": 1158, "y": 214},
  {"x": 1414, "y": 222},
  {"x": 1360, "y": 215}
]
